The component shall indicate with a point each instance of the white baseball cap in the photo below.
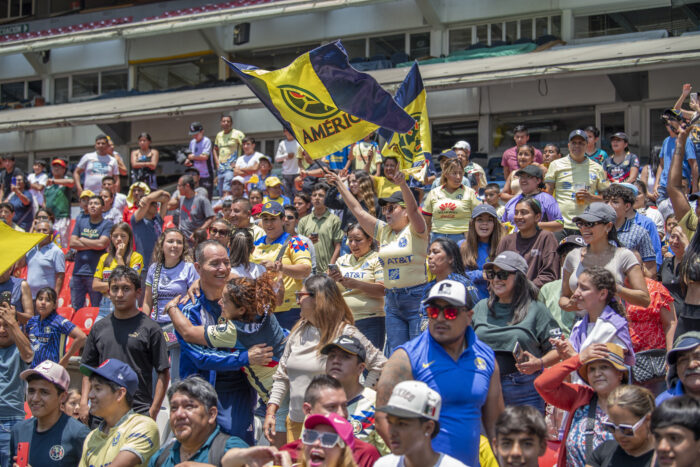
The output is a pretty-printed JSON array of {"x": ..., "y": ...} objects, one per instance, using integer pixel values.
[
  {"x": 413, "y": 399},
  {"x": 462, "y": 145},
  {"x": 452, "y": 292}
]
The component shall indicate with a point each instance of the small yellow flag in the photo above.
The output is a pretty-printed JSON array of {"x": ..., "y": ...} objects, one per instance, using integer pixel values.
[{"x": 14, "y": 245}]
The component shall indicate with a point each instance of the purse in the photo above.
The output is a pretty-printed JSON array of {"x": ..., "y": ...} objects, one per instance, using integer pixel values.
[{"x": 649, "y": 365}]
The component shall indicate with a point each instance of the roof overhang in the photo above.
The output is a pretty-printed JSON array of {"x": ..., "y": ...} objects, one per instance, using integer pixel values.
[{"x": 562, "y": 62}]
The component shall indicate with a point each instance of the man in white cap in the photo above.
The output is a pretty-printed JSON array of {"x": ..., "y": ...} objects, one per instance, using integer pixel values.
[
  {"x": 473, "y": 171},
  {"x": 53, "y": 438},
  {"x": 413, "y": 412},
  {"x": 451, "y": 360}
]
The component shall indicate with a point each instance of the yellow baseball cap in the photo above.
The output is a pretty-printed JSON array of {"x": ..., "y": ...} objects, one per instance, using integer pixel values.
[
  {"x": 87, "y": 194},
  {"x": 272, "y": 181}
]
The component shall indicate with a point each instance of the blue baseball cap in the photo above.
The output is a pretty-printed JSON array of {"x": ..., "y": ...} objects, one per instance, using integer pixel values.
[
  {"x": 273, "y": 208},
  {"x": 580, "y": 133},
  {"x": 450, "y": 154},
  {"x": 115, "y": 371}
]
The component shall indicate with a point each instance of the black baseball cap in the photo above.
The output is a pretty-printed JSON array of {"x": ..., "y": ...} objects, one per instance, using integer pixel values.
[
  {"x": 531, "y": 170},
  {"x": 195, "y": 127},
  {"x": 349, "y": 344},
  {"x": 395, "y": 197}
]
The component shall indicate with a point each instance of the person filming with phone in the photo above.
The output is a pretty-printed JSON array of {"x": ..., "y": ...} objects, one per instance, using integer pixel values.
[{"x": 517, "y": 327}]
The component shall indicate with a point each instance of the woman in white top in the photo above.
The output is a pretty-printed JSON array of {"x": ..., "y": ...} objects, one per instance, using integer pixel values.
[
  {"x": 324, "y": 317},
  {"x": 413, "y": 412}
]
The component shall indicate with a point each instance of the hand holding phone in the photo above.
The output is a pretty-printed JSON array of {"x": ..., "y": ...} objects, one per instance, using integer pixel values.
[
  {"x": 22, "y": 458},
  {"x": 518, "y": 353}
]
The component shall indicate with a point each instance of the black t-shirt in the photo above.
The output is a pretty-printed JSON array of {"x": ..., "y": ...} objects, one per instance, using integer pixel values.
[
  {"x": 60, "y": 446},
  {"x": 610, "y": 454},
  {"x": 137, "y": 341}
]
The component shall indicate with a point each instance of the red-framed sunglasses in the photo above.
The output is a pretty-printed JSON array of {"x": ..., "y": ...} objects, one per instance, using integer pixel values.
[{"x": 450, "y": 312}]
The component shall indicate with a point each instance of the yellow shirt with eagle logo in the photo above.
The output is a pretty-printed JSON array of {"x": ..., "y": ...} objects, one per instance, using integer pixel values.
[{"x": 450, "y": 212}]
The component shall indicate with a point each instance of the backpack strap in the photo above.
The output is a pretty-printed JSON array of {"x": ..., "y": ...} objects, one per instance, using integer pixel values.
[
  {"x": 218, "y": 448},
  {"x": 165, "y": 453},
  {"x": 590, "y": 424}
]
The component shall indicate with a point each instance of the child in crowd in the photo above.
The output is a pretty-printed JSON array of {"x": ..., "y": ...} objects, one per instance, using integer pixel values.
[
  {"x": 492, "y": 196},
  {"x": 47, "y": 331},
  {"x": 521, "y": 436},
  {"x": 71, "y": 406}
]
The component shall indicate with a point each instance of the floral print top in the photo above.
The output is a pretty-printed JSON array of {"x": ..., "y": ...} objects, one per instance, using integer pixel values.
[{"x": 576, "y": 440}]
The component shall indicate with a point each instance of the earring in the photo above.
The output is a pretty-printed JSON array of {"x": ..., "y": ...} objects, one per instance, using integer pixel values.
[{"x": 427, "y": 435}]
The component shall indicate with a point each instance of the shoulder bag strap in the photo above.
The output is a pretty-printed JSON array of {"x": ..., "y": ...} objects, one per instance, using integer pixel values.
[
  {"x": 154, "y": 287},
  {"x": 283, "y": 249},
  {"x": 590, "y": 424},
  {"x": 165, "y": 453},
  {"x": 218, "y": 448}
]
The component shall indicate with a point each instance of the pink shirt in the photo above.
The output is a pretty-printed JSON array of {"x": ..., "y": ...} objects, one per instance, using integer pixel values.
[{"x": 510, "y": 158}]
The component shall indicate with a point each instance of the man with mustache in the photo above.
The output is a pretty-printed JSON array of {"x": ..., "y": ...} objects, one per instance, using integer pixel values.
[{"x": 683, "y": 362}]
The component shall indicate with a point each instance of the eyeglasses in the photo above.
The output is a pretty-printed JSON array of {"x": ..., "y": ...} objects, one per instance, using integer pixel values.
[
  {"x": 588, "y": 225},
  {"x": 217, "y": 232},
  {"x": 450, "y": 312},
  {"x": 389, "y": 208},
  {"x": 301, "y": 295},
  {"x": 626, "y": 430},
  {"x": 328, "y": 440},
  {"x": 502, "y": 275}
]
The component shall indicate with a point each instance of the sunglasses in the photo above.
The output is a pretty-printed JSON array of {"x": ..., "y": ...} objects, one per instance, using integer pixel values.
[
  {"x": 301, "y": 295},
  {"x": 222, "y": 232},
  {"x": 389, "y": 208},
  {"x": 328, "y": 440},
  {"x": 450, "y": 312},
  {"x": 588, "y": 225},
  {"x": 626, "y": 430},
  {"x": 502, "y": 275}
]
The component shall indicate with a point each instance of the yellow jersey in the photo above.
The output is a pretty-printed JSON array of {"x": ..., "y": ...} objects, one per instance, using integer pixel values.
[
  {"x": 402, "y": 255},
  {"x": 365, "y": 269},
  {"x": 135, "y": 433},
  {"x": 450, "y": 212}
]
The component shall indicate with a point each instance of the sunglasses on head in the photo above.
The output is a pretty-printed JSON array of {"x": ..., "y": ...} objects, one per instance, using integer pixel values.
[
  {"x": 450, "y": 312},
  {"x": 626, "y": 430},
  {"x": 588, "y": 225},
  {"x": 502, "y": 275},
  {"x": 328, "y": 440}
]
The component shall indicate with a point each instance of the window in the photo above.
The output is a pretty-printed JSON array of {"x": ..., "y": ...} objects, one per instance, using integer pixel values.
[
  {"x": 19, "y": 91},
  {"x": 482, "y": 34},
  {"x": 386, "y": 46},
  {"x": 355, "y": 47},
  {"x": 85, "y": 85},
  {"x": 496, "y": 32},
  {"x": 511, "y": 31},
  {"x": 460, "y": 39},
  {"x": 675, "y": 18},
  {"x": 526, "y": 29},
  {"x": 177, "y": 73},
  {"x": 493, "y": 33},
  {"x": 444, "y": 135},
  {"x": 16, "y": 8},
  {"x": 114, "y": 81},
  {"x": 420, "y": 45}
]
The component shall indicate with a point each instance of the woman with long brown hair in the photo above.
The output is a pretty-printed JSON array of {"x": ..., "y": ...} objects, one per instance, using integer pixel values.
[
  {"x": 361, "y": 186},
  {"x": 324, "y": 317},
  {"x": 484, "y": 234},
  {"x": 119, "y": 253}
]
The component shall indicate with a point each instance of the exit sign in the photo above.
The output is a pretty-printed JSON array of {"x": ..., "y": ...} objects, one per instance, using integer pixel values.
[{"x": 14, "y": 29}]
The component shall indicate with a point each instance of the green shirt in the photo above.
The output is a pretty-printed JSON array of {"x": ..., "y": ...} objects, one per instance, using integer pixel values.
[
  {"x": 57, "y": 199},
  {"x": 549, "y": 295},
  {"x": 329, "y": 233},
  {"x": 494, "y": 330}
]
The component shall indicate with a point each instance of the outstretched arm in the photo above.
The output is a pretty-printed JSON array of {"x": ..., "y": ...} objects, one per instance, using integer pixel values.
[{"x": 397, "y": 369}]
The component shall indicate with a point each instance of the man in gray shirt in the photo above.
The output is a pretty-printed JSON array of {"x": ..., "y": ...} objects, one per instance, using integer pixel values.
[{"x": 196, "y": 212}]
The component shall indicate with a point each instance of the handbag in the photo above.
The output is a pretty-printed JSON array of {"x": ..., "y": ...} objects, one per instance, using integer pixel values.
[{"x": 649, "y": 365}]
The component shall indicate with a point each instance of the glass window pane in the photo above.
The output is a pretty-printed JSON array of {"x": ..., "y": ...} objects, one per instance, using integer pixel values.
[
  {"x": 190, "y": 72},
  {"x": 4, "y": 5},
  {"x": 496, "y": 32},
  {"x": 60, "y": 90},
  {"x": 541, "y": 27},
  {"x": 511, "y": 31},
  {"x": 355, "y": 47},
  {"x": 556, "y": 26},
  {"x": 26, "y": 7},
  {"x": 482, "y": 33},
  {"x": 386, "y": 45},
  {"x": 12, "y": 92},
  {"x": 526, "y": 28},
  {"x": 114, "y": 81},
  {"x": 420, "y": 45},
  {"x": 34, "y": 89},
  {"x": 85, "y": 85},
  {"x": 460, "y": 39},
  {"x": 14, "y": 8}
]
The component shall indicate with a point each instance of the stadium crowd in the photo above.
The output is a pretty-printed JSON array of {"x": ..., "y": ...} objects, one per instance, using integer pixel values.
[{"x": 354, "y": 312}]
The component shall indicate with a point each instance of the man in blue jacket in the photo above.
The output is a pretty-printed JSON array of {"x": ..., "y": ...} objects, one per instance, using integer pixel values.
[
  {"x": 221, "y": 367},
  {"x": 684, "y": 363}
]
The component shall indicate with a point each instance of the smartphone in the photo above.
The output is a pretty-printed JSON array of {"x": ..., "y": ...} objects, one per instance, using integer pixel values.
[
  {"x": 6, "y": 297},
  {"x": 518, "y": 352},
  {"x": 334, "y": 267},
  {"x": 694, "y": 97},
  {"x": 13, "y": 181},
  {"x": 555, "y": 333},
  {"x": 22, "y": 454}
]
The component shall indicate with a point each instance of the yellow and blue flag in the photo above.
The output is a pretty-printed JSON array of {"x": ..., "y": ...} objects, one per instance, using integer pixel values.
[
  {"x": 14, "y": 245},
  {"x": 415, "y": 145},
  {"x": 324, "y": 101}
]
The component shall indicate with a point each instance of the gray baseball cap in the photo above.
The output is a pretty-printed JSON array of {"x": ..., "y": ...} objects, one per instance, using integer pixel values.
[
  {"x": 484, "y": 209},
  {"x": 580, "y": 133},
  {"x": 508, "y": 261},
  {"x": 531, "y": 170},
  {"x": 596, "y": 212}
]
